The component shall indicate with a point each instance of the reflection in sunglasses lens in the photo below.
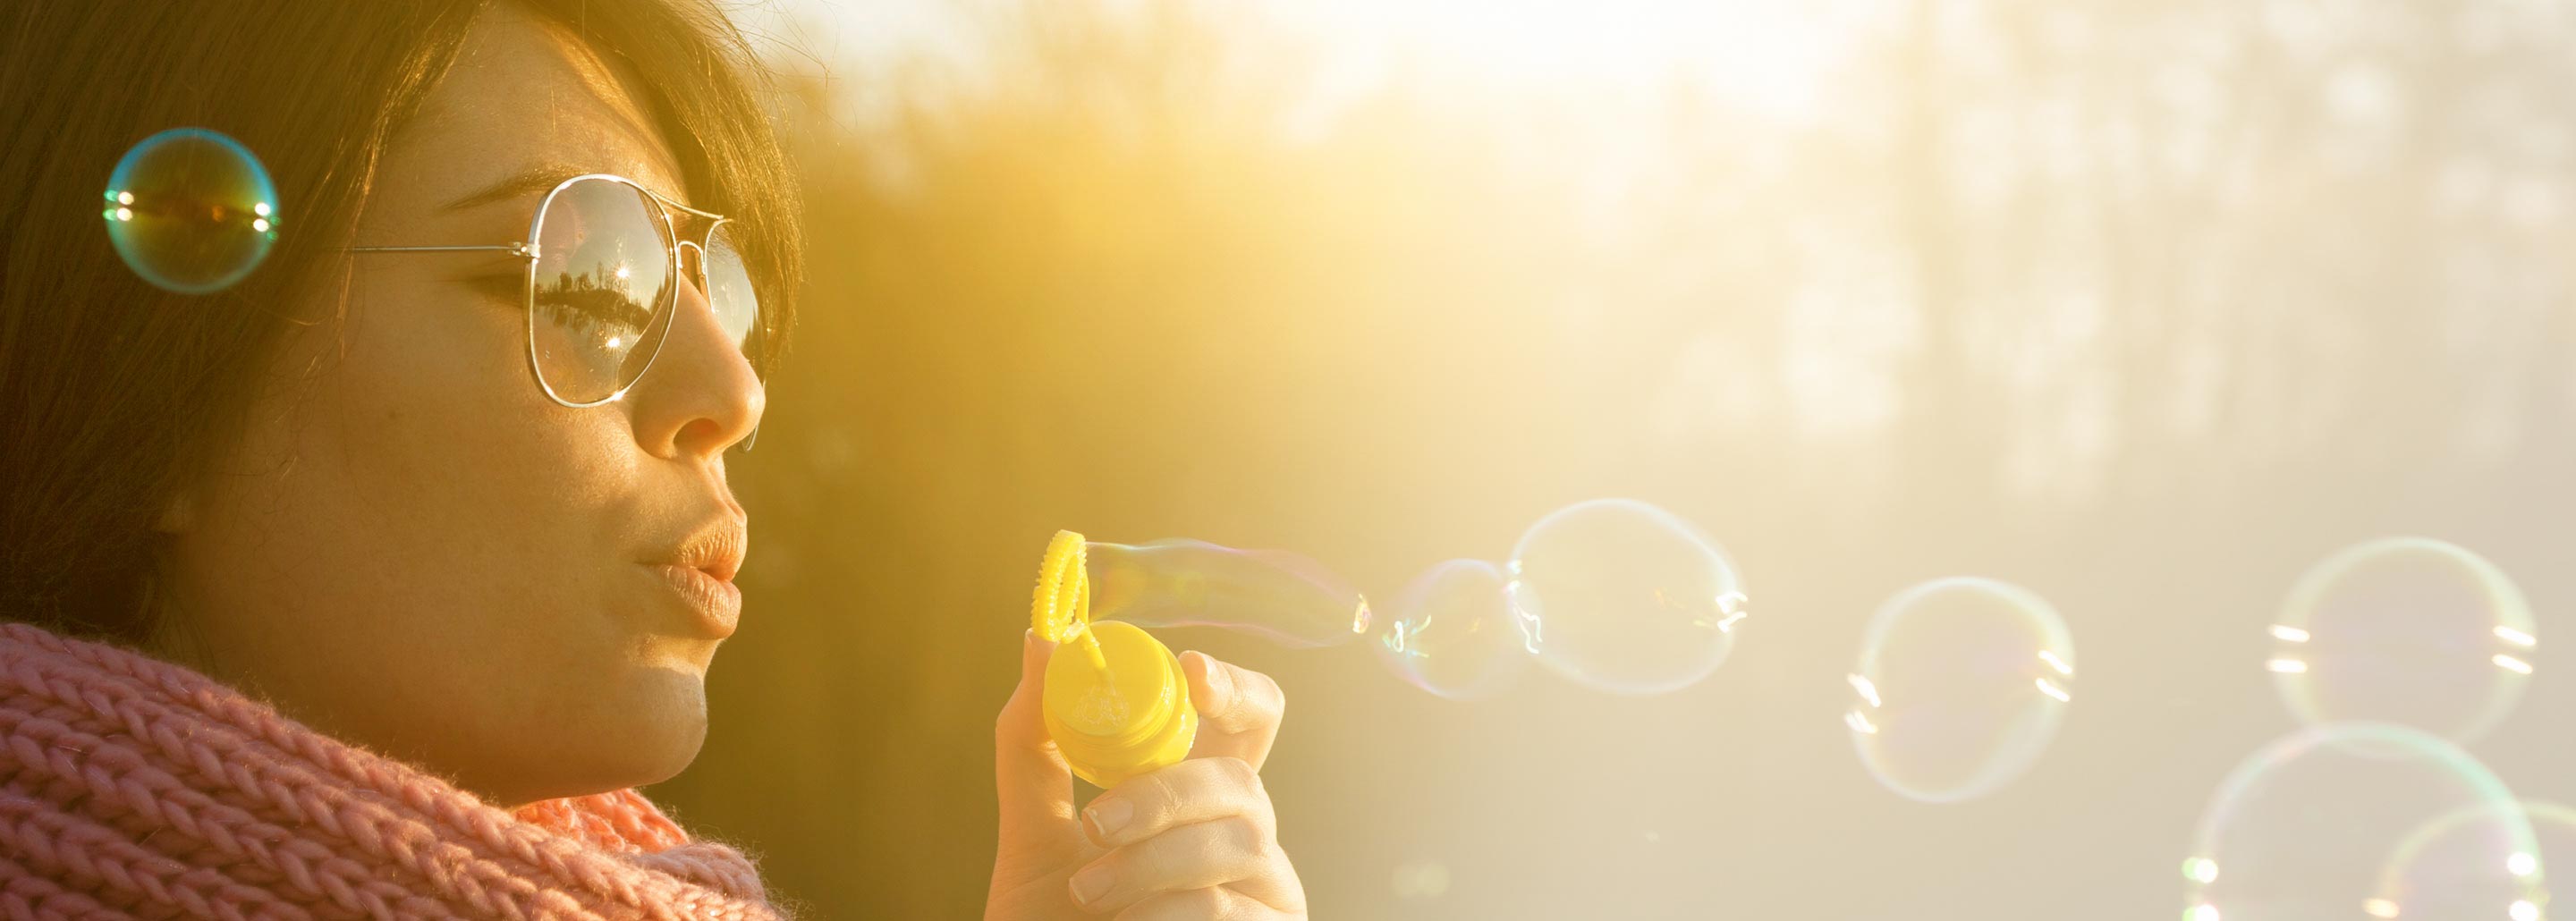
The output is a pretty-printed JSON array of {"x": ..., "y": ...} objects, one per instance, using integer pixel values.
[
  {"x": 601, "y": 269},
  {"x": 729, "y": 290}
]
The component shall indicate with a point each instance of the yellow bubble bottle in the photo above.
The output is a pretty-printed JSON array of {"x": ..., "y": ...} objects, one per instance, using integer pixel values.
[{"x": 1115, "y": 700}]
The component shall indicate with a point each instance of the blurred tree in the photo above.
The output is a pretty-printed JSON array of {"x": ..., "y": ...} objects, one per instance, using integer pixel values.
[{"x": 2143, "y": 304}]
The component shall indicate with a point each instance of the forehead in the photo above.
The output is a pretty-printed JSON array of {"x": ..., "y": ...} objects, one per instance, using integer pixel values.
[{"x": 525, "y": 93}]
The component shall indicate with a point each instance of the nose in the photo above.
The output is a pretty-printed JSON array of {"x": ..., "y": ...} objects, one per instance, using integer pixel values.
[{"x": 700, "y": 396}]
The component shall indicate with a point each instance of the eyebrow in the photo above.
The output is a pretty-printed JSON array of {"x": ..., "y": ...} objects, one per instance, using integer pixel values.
[
  {"x": 531, "y": 180},
  {"x": 534, "y": 179}
]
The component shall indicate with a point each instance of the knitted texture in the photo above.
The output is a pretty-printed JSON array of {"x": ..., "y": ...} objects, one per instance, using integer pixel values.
[{"x": 131, "y": 787}]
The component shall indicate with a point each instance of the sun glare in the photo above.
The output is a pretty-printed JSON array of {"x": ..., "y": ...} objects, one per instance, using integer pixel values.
[
  {"x": 1767, "y": 55},
  {"x": 1771, "y": 57}
]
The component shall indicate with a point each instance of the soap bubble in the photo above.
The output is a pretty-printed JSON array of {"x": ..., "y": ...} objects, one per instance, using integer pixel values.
[
  {"x": 2404, "y": 630},
  {"x": 2306, "y": 827},
  {"x": 1180, "y": 582},
  {"x": 1624, "y": 596},
  {"x": 1453, "y": 633},
  {"x": 1961, "y": 684},
  {"x": 2448, "y": 867},
  {"x": 191, "y": 211}
]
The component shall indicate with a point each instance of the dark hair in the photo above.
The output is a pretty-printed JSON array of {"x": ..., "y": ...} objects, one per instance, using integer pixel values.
[{"x": 114, "y": 393}]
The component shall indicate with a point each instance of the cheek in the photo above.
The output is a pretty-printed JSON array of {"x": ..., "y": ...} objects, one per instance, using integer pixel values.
[
  {"x": 431, "y": 410},
  {"x": 431, "y": 489}
]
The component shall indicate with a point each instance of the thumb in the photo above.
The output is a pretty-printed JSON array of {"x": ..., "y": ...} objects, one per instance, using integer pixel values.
[{"x": 1029, "y": 773}]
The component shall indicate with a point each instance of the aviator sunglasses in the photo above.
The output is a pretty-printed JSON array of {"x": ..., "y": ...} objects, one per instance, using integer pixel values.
[{"x": 605, "y": 259}]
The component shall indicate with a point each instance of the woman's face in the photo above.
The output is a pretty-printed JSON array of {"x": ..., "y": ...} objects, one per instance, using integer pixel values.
[{"x": 410, "y": 547}]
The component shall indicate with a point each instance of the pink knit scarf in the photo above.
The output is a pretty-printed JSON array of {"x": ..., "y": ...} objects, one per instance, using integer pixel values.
[{"x": 134, "y": 788}]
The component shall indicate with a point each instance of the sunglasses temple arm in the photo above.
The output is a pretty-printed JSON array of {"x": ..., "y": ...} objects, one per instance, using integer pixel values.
[{"x": 515, "y": 249}]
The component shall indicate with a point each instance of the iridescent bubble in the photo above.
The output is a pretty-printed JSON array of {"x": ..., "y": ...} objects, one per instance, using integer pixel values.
[
  {"x": 2448, "y": 867},
  {"x": 1960, "y": 686},
  {"x": 1453, "y": 633},
  {"x": 1179, "y": 582},
  {"x": 1624, "y": 596},
  {"x": 2306, "y": 826},
  {"x": 2404, "y": 630},
  {"x": 191, "y": 211}
]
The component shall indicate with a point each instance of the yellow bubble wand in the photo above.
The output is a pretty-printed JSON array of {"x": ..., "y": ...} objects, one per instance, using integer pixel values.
[{"x": 1120, "y": 708}]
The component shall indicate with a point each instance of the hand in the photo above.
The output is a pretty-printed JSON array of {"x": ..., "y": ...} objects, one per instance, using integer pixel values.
[{"x": 1196, "y": 841}]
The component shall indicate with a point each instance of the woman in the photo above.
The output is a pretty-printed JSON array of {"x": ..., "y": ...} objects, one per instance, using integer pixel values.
[{"x": 372, "y": 585}]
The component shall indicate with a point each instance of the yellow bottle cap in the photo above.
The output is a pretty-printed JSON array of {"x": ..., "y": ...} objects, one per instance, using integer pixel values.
[
  {"x": 1129, "y": 719},
  {"x": 1115, "y": 700}
]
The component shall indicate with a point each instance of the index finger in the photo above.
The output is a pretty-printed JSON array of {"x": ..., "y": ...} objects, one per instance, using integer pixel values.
[{"x": 1239, "y": 709}]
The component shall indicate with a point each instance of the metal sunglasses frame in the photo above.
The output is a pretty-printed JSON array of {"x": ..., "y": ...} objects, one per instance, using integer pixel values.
[{"x": 663, "y": 207}]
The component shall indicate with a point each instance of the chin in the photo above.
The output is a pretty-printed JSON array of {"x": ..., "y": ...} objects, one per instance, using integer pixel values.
[
  {"x": 662, "y": 726},
  {"x": 646, "y": 732}
]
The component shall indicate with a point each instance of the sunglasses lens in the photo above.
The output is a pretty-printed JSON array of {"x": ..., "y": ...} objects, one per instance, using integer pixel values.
[
  {"x": 602, "y": 264},
  {"x": 729, "y": 292}
]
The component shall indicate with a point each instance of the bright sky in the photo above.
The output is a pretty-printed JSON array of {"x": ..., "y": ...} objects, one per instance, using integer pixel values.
[{"x": 1768, "y": 56}]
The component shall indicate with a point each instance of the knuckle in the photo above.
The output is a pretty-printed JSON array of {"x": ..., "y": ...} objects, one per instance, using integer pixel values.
[
  {"x": 1204, "y": 903},
  {"x": 1256, "y": 691},
  {"x": 1244, "y": 835},
  {"x": 1222, "y": 906}
]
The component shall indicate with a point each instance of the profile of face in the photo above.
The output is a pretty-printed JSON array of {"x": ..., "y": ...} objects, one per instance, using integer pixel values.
[{"x": 409, "y": 545}]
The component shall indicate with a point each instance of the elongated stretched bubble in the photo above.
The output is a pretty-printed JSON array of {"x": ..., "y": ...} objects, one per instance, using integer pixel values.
[
  {"x": 1178, "y": 582},
  {"x": 1615, "y": 594}
]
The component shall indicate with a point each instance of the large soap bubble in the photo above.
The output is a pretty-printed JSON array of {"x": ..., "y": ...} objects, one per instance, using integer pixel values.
[
  {"x": 2451, "y": 866},
  {"x": 2306, "y": 827},
  {"x": 2404, "y": 630},
  {"x": 1626, "y": 597},
  {"x": 1960, "y": 686}
]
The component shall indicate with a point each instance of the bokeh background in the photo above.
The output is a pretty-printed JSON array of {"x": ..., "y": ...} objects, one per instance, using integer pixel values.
[{"x": 2146, "y": 306}]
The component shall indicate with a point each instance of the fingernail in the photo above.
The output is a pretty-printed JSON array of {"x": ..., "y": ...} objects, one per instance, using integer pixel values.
[
  {"x": 1109, "y": 814},
  {"x": 1092, "y": 883}
]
